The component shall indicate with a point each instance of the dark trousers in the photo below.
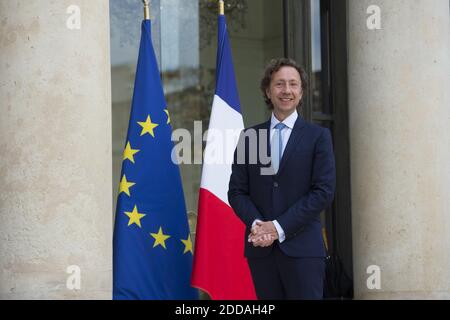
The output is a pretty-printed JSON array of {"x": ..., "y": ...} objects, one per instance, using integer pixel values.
[{"x": 279, "y": 277}]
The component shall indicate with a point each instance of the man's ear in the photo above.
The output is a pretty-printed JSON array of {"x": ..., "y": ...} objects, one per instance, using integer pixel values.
[{"x": 268, "y": 93}]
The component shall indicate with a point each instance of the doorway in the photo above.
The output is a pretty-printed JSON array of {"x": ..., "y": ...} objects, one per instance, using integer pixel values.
[{"x": 315, "y": 36}]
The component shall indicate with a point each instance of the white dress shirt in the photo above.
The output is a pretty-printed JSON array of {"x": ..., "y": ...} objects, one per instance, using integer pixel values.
[{"x": 285, "y": 134}]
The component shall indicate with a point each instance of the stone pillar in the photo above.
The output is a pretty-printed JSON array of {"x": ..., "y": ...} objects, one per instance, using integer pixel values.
[
  {"x": 399, "y": 80},
  {"x": 55, "y": 150}
]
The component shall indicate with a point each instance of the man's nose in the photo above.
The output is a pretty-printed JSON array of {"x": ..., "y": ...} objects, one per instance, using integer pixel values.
[{"x": 286, "y": 88}]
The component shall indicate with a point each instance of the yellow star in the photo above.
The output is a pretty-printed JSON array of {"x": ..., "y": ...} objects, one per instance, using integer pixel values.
[
  {"x": 160, "y": 237},
  {"x": 168, "y": 115},
  {"x": 125, "y": 185},
  {"x": 187, "y": 245},
  {"x": 129, "y": 153},
  {"x": 135, "y": 217},
  {"x": 148, "y": 126}
]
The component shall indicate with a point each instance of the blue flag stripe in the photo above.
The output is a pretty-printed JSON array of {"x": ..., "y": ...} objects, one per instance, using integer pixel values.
[{"x": 226, "y": 80}]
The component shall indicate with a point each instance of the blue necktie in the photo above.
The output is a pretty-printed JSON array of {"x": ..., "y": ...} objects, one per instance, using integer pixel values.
[{"x": 277, "y": 146}]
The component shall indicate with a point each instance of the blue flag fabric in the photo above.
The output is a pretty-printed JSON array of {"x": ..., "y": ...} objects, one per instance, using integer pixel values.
[{"x": 152, "y": 245}]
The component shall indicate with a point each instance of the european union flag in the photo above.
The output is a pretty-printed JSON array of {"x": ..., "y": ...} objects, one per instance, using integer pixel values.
[{"x": 152, "y": 244}]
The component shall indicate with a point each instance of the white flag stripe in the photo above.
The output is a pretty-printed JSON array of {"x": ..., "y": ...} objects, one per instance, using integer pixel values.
[{"x": 216, "y": 174}]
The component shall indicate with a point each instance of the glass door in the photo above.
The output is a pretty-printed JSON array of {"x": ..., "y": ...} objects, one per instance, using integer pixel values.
[{"x": 315, "y": 36}]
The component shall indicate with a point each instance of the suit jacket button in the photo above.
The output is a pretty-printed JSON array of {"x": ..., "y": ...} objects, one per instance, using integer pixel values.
[{"x": 275, "y": 184}]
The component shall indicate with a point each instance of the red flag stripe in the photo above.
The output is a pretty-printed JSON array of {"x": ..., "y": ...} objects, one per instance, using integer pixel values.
[{"x": 219, "y": 249}]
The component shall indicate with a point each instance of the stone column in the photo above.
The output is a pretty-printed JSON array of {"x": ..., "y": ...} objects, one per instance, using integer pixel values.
[
  {"x": 399, "y": 80},
  {"x": 55, "y": 150}
]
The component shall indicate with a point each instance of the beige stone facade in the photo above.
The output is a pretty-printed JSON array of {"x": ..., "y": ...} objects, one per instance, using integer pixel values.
[
  {"x": 55, "y": 141},
  {"x": 400, "y": 148}
]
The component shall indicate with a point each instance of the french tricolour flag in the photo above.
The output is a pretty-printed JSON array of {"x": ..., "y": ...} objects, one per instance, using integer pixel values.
[{"x": 220, "y": 268}]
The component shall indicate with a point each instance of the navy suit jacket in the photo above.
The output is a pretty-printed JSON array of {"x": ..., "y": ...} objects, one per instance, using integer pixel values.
[{"x": 303, "y": 187}]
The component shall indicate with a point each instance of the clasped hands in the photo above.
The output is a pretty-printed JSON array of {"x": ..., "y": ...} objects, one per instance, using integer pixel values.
[{"x": 263, "y": 234}]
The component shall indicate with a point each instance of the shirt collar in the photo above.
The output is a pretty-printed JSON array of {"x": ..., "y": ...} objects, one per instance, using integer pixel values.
[{"x": 289, "y": 121}]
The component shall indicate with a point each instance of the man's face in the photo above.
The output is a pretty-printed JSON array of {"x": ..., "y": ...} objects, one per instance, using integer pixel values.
[{"x": 285, "y": 90}]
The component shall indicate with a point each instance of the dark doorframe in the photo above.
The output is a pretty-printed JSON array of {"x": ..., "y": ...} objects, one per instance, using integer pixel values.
[{"x": 333, "y": 113}]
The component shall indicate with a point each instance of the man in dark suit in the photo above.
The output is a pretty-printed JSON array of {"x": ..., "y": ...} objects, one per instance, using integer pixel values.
[{"x": 280, "y": 191}]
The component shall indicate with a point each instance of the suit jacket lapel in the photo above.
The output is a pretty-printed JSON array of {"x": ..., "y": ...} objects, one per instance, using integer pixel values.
[
  {"x": 294, "y": 139},
  {"x": 267, "y": 153},
  {"x": 267, "y": 127}
]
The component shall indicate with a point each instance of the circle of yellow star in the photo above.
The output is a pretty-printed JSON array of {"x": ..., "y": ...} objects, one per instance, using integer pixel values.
[
  {"x": 160, "y": 238},
  {"x": 148, "y": 126},
  {"x": 129, "y": 153},
  {"x": 135, "y": 217},
  {"x": 125, "y": 186},
  {"x": 187, "y": 245},
  {"x": 168, "y": 115}
]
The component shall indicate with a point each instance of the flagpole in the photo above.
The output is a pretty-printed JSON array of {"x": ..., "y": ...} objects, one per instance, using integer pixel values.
[
  {"x": 221, "y": 7},
  {"x": 146, "y": 10}
]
